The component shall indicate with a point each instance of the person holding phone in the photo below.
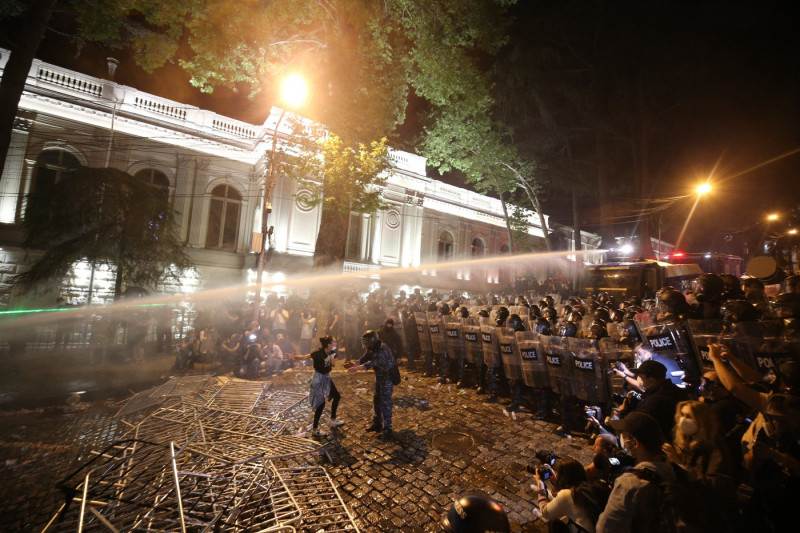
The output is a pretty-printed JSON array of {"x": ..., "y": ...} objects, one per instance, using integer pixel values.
[{"x": 567, "y": 475}]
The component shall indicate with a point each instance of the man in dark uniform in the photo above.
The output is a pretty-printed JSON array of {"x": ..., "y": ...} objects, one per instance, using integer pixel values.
[{"x": 378, "y": 357}]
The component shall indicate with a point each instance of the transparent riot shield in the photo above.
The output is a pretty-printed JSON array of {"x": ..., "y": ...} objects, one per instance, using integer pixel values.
[
  {"x": 765, "y": 354},
  {"x": 521, "y": 311},
  {"x": 509, "y": 353},
  {"x": 424, "y": 335},
  {"x": 473, "y": 344},
  {"x": 534, "y": 369},
  {"x": 705, "y": 332},
  {"x": 436, "y": 329},
  {"x": 555, "y": 353},
  {"x": 491, "y": 346},
  {"x": 614, "y": 353},
  {"x": 588, "y": 377},
  {"x": 454, "y": 337},
  {"x": 670, "y": 342}
]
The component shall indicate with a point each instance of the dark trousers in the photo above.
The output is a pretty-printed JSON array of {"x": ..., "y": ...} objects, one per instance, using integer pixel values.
[
  {"x": 382, "y": 403},
  {"x": 335, "y": 396}
]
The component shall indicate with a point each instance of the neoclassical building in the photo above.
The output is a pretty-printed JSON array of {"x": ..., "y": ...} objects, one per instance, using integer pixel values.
[{"x": 213, "y": 170}]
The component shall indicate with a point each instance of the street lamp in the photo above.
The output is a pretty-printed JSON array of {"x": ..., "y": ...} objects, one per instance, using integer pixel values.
[
  {"x": 701, "y": 190},
  {"x": 294, "y": 92}
]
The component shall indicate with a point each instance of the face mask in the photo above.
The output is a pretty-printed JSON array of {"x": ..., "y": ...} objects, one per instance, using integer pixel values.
[
  {"x": 687, "y": 426},
  {"x": 333, "y": 349}
]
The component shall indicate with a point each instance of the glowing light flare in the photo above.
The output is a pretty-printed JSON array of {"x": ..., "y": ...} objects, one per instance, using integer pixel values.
[
  {"x": 792, "y": 232},
  {"x": 703, "y": 188},
  {"x": 772, "y": 217},
  {"x": 626, "y": 249},
  {"x": 294, "y": 91}
]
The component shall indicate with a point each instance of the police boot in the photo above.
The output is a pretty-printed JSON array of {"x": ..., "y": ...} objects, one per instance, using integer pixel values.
[
  {"x": 492, "y": 399},
  {"x": 385, "y": 435}
]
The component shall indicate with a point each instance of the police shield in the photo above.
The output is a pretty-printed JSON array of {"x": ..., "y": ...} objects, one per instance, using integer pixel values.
[
  {"x": 424, "y": 335},
  {"x": 755, "y": 344},
  {"x": 437, "y": 333},
  {"x": 473, "y": 343},
  {"x": 454, "y": 337},
  {"x": 614, "y": 352},
  {"x": 509, "y": 353},
  {"x": 521, "y": 311},
  {"x": 588, "y": 377},
  {"x": 671, "y": 342},
  {"x": 491, "y": 346},
  {"x": 534, "y": 369},
  {"x": 706, "y": 332},
  {"x": 555, "y": 354}
]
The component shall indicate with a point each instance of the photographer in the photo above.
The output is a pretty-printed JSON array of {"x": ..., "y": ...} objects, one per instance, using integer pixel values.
[
  {"x": 574, "y": 499},
  {"x": 660, "y": 397},
  {"x": 609, "y": 461}
]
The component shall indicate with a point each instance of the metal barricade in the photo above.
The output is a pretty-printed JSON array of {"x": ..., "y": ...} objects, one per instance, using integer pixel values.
[
  {"x": 615, "y": 352},
  {"x": 555, "y": 353},
  {"x": 509, "y": 352},
  {"x": 491, "y": 346},
  {"x": 533, "y": 367},
  {"x": 424, "y": 335},
  {"x": 436, "y": 329},
  {"x": 454, "y": 337},
  {"x": 588, "y": 376},
  {"x": 473, "y": 343}
]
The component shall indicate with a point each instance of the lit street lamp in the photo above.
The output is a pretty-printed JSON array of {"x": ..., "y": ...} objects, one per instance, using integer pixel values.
[
  {"x": 294, "y": 93},
  {"x": 701, "y": 190}
]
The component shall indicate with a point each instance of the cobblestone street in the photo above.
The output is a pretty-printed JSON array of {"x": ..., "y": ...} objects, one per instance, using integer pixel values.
[{"x": 446, "y": 443}]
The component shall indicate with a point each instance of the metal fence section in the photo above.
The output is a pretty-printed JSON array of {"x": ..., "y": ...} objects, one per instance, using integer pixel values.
[
  {"x": 321, "y": 506},
  {"x": 199, "y": 455}
]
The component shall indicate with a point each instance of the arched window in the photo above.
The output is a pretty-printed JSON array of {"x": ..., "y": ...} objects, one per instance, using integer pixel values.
[
  {"x": 445, "y": 245},
  {"x": 478, "y": 247},
  {"x": 223, "y": 218},
  {"x": 504, "y": 249},
  {"x": 157, "y": 179},
  {"x": 53, "y": 166}
]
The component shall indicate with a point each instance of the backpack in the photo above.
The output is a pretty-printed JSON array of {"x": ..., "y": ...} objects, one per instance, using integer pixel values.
[
  {"x": 683, "y": 504},
  {"x": 592, "y": 497}
]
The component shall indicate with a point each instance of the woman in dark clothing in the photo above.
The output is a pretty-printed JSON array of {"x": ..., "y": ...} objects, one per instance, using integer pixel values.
[{"x": 322, "y": 386}]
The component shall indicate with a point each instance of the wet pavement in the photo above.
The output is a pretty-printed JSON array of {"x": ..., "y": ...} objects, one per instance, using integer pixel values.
[{"x": 447, "y": 442}]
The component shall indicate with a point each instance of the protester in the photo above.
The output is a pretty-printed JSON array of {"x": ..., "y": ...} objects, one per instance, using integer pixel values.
[
  {"x": 566, "y": 475},
  {"x": 660, "y": 395},
  {"x": 322, "y": 386}
]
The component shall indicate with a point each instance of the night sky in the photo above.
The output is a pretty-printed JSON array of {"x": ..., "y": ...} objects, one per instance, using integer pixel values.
[{"x": 730, "y": 101}]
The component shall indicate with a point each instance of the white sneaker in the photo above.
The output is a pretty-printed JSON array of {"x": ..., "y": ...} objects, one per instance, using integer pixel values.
[{"x": 334, "y": 423}]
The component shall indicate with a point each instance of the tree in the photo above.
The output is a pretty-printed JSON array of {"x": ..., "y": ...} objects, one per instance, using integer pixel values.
[
  {"x": 341, "y": 179},
  {"x": 106, "y": 217}
]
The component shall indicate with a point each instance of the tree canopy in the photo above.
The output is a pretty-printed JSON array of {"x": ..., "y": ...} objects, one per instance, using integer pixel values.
[{"x": 106, "y": 217}]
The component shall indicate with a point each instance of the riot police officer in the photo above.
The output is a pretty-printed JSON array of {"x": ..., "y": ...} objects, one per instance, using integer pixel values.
[{"x": 378, "y": 357}]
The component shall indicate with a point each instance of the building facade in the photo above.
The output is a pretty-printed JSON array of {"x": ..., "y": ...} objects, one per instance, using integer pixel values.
[{"x": 213, "y": 170}]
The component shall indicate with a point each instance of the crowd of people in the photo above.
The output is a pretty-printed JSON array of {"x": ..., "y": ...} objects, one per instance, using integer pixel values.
[{"x": 700, "y": 419}]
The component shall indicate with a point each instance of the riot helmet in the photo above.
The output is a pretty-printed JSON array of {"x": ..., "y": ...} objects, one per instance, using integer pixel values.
[
  {"x": 566, "y": 310},
  {"x": 602, "y": 314},
  {"x": 475, "y": 513},
  {"x": 462, "y": 312},
  {"x": 502, "y": 316},
  {"x": 535, "y": 311},
  {"x": 483, "y": 313},
  {"x": 635, "y": 300},
  {"x": 541, "y": 326},
  {"x": 550, "y": 314},
  {"x": 550, "y": 301},
  {"x": 572, "y": 301},
  {"x": 580, "y": 308},
  {"x": 708, "y": 287},
  {"x": 616, "y": 315},
  {"x": 575, "y": 317},
  {"x": 568, "y": 329},
  {"x": 444, "y": 309},
  {"x": 671, "y": 300},
  {"x": 738, "y": 311},
  {"x": 370, "y": 340},
  {"x": 791, "y": 284},
  {"x": 629, "y": 333},
  {"x": 612, "y": 301},
  {"x": 787, "y": 305},
  {"x": 597, "y": 330},
  {"x": 515, "y": 322}
]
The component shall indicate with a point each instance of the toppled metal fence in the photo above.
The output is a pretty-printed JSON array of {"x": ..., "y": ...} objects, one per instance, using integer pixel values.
[{"x": 204, "y": 454}]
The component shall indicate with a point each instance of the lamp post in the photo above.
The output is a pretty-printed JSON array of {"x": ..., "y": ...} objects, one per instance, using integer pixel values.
[
  {"x": 701, "y": 190},
  {"x": 294, "y": 93}
]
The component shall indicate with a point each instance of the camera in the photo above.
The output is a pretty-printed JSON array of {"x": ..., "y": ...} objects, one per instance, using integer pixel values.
[
  {"x": 543, "y": 463},
  {"x": 252, "y": 337}
]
